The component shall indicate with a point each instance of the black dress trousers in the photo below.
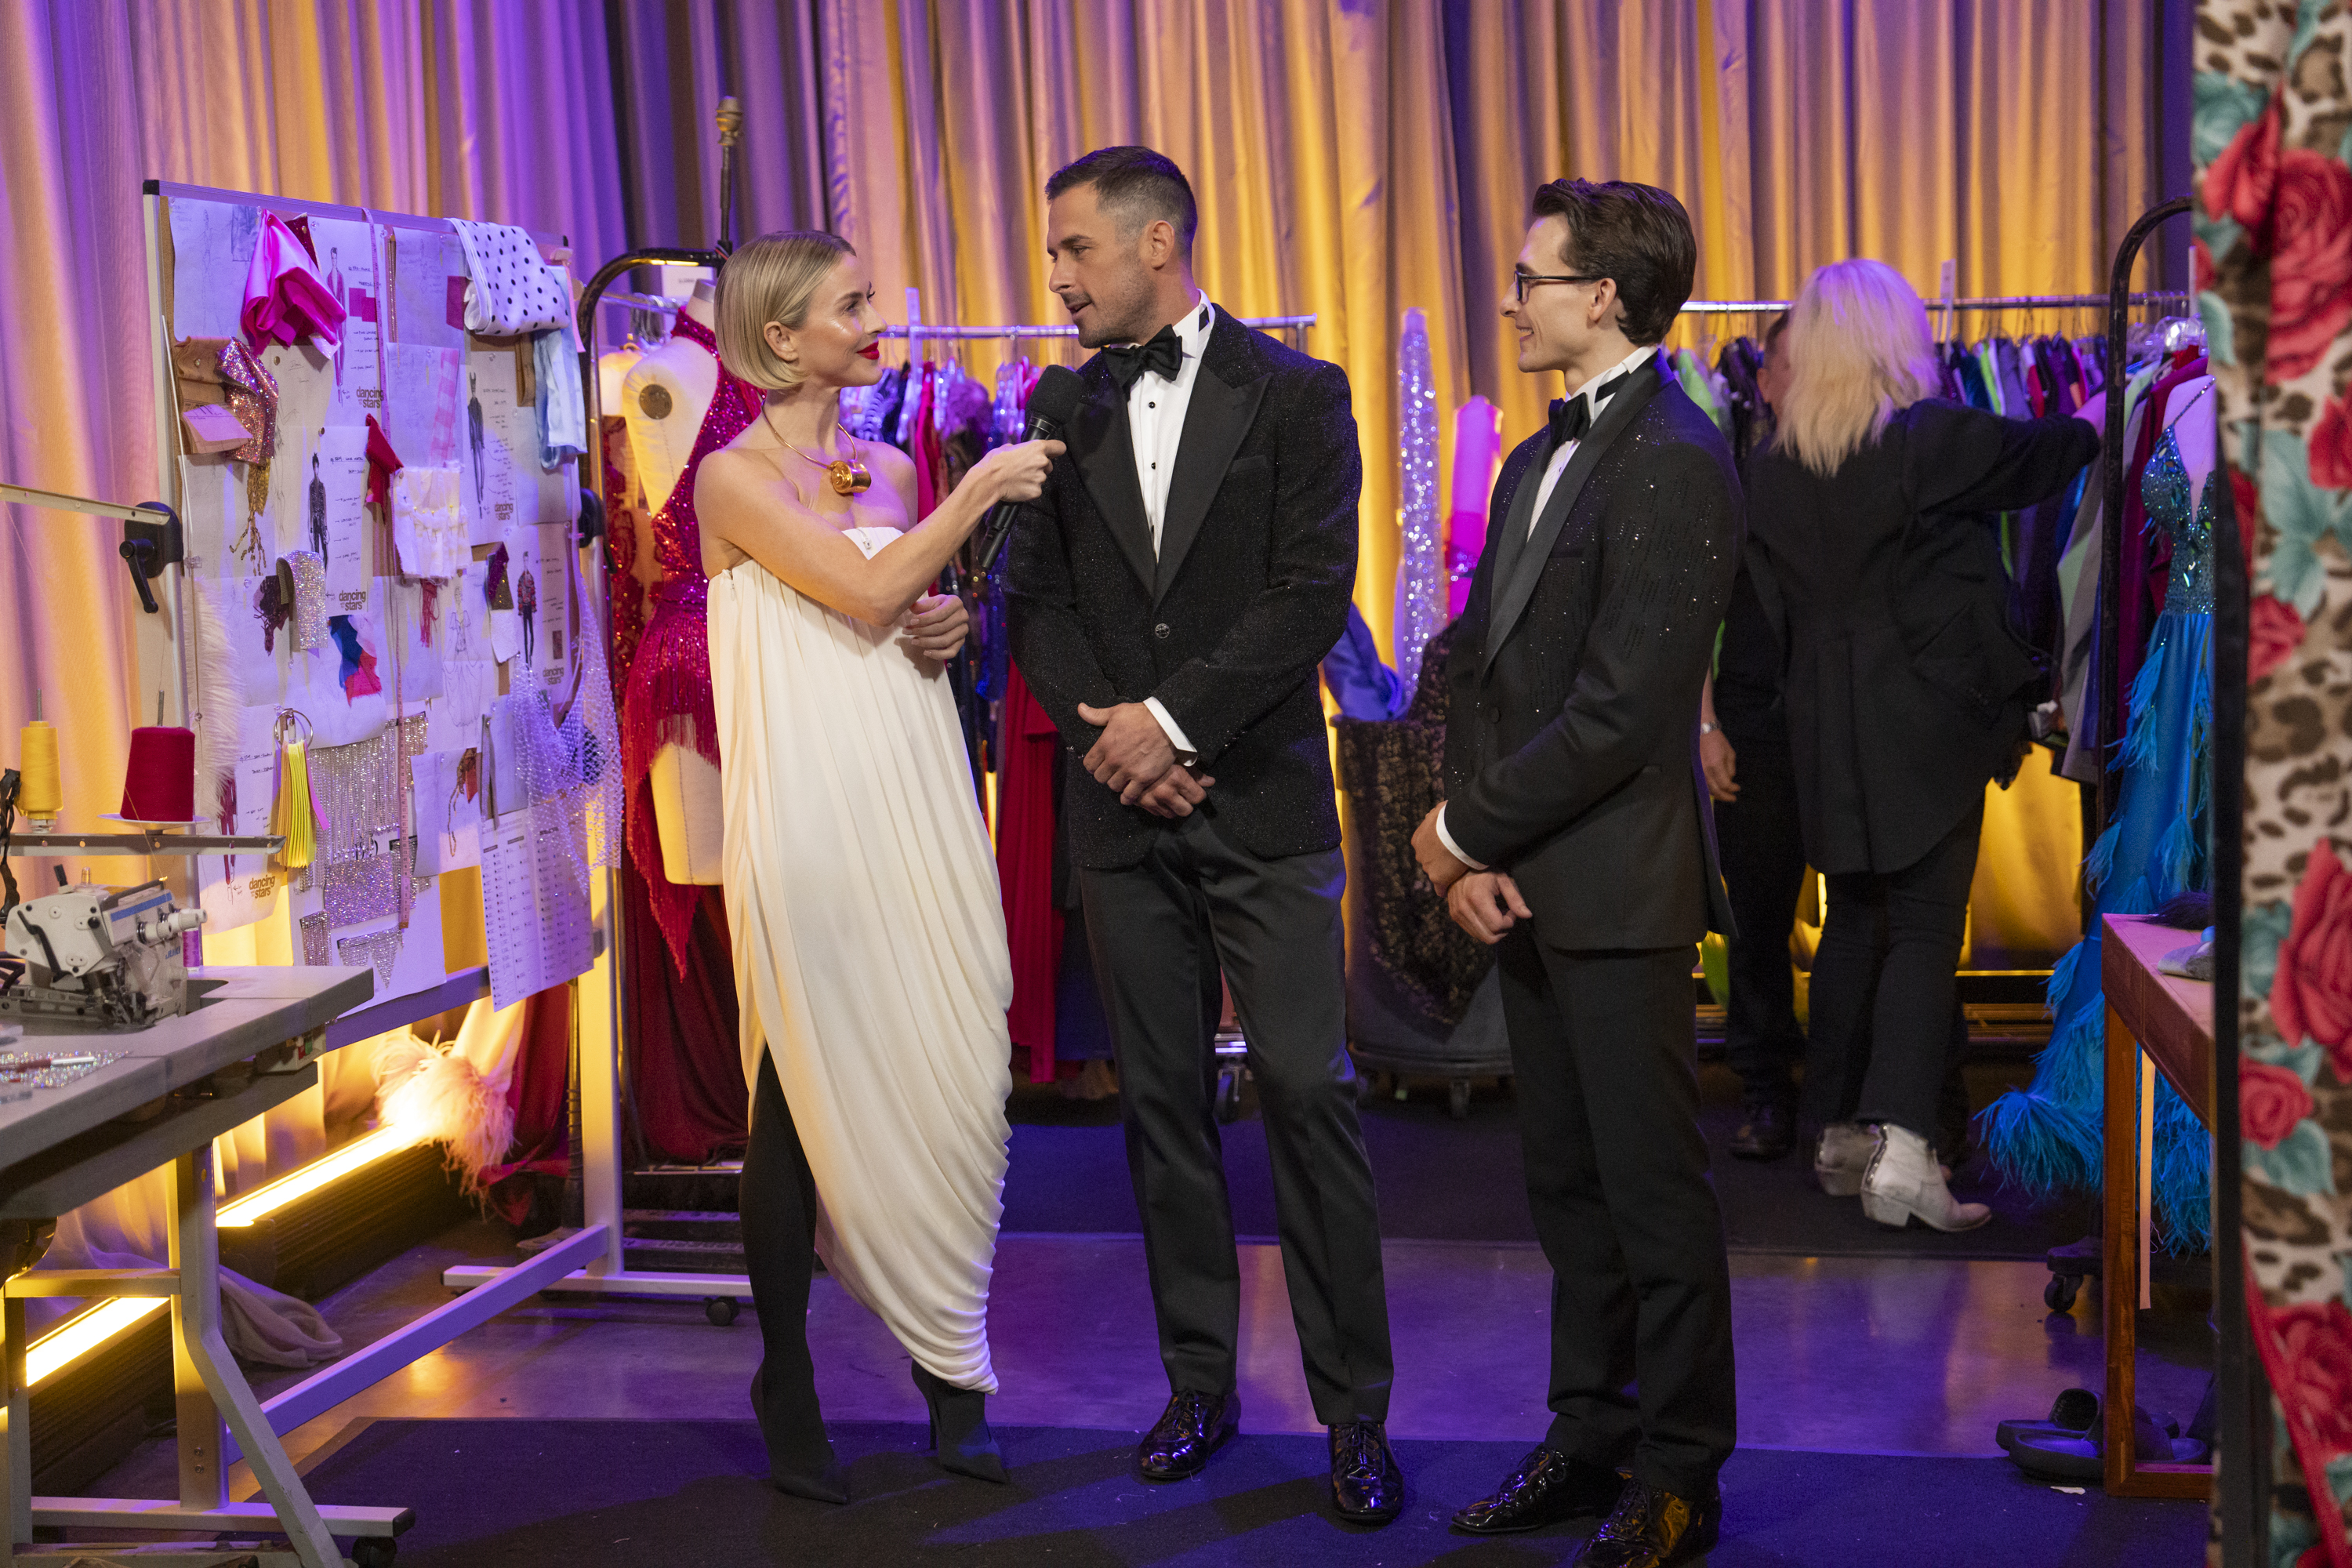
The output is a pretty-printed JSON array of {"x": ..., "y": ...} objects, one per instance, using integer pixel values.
[
  {"x": 1603, "y": 1046},
  {"x": 1161, "y": 930}
]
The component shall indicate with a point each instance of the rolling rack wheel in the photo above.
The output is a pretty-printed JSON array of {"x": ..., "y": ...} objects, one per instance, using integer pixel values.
[
  {"x": 719, "y": 1310},
  {"x": 2069, "y": 1267},
  {"x": 374, "y": 1550}
]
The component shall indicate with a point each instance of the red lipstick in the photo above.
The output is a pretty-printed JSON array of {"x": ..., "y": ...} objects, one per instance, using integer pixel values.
[{"x": 871, "y": 351}]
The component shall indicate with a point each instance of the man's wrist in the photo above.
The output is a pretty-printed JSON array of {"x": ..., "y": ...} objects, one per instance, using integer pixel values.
[
  {"x": 1186, "y": 752},
  {"x": 1452, "y": 847}
]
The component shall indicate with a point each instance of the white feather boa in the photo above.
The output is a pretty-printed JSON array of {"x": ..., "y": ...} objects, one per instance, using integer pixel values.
[{"x": 448, "y": 1094}]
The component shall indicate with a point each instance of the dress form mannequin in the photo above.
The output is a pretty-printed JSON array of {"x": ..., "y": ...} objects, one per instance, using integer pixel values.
[{"x": 664, "y": 398}]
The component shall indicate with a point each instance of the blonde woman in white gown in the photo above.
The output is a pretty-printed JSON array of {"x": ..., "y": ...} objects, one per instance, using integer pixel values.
[{"x": 870, "y": 961}]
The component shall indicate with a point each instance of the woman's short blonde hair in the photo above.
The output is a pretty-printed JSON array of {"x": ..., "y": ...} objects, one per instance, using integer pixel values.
[
  {"x": 771, "y": 278},
  {"x": 1858, "y": 350}
]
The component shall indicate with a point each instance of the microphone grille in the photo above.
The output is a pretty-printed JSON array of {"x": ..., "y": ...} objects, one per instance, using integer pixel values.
[{"x": 1057, "y": 394}]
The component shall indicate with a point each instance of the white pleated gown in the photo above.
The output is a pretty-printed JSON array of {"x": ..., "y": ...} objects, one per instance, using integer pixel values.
[{"x": 869, "y": 950}]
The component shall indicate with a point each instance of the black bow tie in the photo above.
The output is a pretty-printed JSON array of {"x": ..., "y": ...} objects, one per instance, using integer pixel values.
[
  {"x": 1164, "y": 353},
  {"x": 1572, "y": 417}
]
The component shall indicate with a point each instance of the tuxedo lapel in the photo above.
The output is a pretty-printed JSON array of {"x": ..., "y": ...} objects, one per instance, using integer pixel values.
[
  {"x": 1513, "y": 591},
  {"x": 1104, "y": 450},
  {"x": 1225, "y": 395}
]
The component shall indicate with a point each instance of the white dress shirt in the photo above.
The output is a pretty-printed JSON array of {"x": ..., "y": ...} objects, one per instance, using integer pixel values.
[
  {"x": 1155, "y": 418},
  {"x": 1552, "y": 471}
]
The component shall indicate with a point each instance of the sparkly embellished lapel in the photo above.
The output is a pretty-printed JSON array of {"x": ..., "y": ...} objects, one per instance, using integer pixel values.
[{"x": 1526, "y": 569}]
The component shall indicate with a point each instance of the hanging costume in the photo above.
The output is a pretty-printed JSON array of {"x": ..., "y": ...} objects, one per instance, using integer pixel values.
[{"x": 2047, "y": 1135}]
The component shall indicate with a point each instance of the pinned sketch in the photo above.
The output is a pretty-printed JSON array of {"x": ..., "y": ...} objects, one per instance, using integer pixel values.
[
  {"x": 211, "y": 249},
  {"x": 240, "y": 889},
  {"x": 413, "y": 613},
  {"x": 422, "y": 404},
  {"x": 446, "y": 786},
  {"x": 334, "y": 508},
  {"x": 347, "y": 265},
  {"x": 342, "y": 685},
  {"x": 486, "y": 451},
  {"x": 213, "y": 519},
  {"x": 428, "y": 287}
]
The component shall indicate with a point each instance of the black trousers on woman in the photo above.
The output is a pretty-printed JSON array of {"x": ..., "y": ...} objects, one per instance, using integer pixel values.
[
  {"x": 778, "y": 1200},
  {"x": 1761, "y": 842},
  {"x": 1885, "y": 972}
]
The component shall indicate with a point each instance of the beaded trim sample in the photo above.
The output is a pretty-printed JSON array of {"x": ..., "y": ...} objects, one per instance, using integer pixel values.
[
  {"x": 380, "y": 949},
  {"x": 316, "y": 951},
  {"x": 363, "y": 889}
]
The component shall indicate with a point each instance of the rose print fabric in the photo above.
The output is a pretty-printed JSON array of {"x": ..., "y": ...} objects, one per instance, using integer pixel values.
[{"x": 2273, "y": 228}]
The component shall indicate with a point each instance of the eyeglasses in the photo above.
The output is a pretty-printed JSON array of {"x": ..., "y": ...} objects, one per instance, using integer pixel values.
[{"x": 1522, "y": 281}]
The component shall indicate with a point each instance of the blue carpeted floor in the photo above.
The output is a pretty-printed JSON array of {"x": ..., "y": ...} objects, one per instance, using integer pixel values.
[{"x": 584, "y": 1494}]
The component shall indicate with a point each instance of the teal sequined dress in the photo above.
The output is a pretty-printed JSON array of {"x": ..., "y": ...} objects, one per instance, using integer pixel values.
[{"x": 2046, "y": 1136}]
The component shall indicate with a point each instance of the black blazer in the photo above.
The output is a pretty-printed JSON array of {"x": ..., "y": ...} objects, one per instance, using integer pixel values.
[
  {"x": 1572, "y": 739},
  {"x": 1905, "y": 687},
  {"x": 1257, "y": 563}
]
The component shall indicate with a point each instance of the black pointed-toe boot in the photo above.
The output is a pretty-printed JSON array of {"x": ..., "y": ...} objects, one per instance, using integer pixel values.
[{"x": 961, "y": 1440}]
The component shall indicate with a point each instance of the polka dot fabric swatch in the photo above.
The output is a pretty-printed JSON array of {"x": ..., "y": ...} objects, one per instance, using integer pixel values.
[{"x": 514, "y": 290}]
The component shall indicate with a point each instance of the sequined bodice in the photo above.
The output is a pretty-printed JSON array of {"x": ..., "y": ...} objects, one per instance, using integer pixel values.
[
  {"x": 2188, "y": 522},
  {"x": 677, "y": 536}
]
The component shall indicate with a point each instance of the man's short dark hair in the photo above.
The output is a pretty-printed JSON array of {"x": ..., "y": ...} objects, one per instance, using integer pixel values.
[
  {"x": 1638, "y": 235},
  {"x": 1138, "y": 183}
]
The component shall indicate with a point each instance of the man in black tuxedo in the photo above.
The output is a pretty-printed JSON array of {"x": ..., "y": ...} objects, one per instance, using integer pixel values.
[
  {"x": 1576, "y": 837},
  {"x": 1170, "y": 597}
]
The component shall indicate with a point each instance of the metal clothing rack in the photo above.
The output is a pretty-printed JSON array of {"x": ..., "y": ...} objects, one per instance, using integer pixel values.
[{"x": 917, "y": 329}]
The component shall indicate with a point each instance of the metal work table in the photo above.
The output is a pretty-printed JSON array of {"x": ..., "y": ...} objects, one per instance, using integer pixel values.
[{"x": 251, "y": 1042}]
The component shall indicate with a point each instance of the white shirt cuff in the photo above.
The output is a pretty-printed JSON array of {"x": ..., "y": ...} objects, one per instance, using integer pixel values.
[
  {"x": 1186, "y": 752},
  {"x": 1453, "y": 848}
]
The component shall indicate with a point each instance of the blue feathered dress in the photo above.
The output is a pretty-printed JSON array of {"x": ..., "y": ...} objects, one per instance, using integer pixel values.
[{"x": 2045, "y": 1137}]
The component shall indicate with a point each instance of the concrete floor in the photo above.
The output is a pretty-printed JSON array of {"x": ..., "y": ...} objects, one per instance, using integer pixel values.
[{"x": 1855, "y": 1356}]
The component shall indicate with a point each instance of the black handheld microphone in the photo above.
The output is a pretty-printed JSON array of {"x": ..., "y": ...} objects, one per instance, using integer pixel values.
[{"x": 1052, "y": 403}]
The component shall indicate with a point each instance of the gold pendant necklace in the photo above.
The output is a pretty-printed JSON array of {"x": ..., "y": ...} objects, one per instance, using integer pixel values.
[{"x": 847, "y": 476}]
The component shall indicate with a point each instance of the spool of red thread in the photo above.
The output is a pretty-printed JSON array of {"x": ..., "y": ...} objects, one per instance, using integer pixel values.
[{"x": 159, "y": 784}]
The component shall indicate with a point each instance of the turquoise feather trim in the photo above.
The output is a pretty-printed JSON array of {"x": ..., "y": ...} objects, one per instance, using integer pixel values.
[
  {"x": 2040, "y": 1145},
  {"x": 2140, "y": 734}
]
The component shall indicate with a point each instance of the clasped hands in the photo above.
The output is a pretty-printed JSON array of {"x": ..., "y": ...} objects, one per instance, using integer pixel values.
[
  {"x": 1134, "y": 756},
  {"x": 934, "y": 627},
  {"x": 1484, "y": 903}
]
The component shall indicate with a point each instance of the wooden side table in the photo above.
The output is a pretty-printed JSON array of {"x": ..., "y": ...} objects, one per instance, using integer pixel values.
[{"x": 2170, "y": 1020}]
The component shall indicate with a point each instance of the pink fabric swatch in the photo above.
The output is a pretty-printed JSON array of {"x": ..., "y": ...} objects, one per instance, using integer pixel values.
[{"x": 285, "y": 299}]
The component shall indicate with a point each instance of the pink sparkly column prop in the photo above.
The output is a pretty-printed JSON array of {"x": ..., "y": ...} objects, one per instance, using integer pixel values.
[{"x": 1477, "y": 458}]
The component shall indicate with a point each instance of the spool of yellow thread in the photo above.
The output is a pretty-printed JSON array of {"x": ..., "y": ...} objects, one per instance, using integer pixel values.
[{"x": 40, "y": 789}]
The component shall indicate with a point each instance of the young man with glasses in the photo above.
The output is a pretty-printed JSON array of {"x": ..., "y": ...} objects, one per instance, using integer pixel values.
[{"x": 1576, "y": 838}]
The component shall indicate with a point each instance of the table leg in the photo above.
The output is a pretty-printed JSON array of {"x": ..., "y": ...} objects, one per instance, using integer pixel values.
[
  {"x": 2119, "y": 1286},
  {"x": 203, "y": 1481},
  {"x": 2146, "y": 1172},
  {"x": 16, "y": 1470},
  {"x": 195, "y": 1252}
]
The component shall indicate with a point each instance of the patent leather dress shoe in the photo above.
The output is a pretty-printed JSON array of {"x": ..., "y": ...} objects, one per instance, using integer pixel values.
[
  {"x": 1193, "y": 1427},
  {"x": 1768, "y": 1133},
  {"x": 1367, "y": 1488},
  {"x": 1652, "y": 1528},
  {"x": 1548, "y": 1488}
]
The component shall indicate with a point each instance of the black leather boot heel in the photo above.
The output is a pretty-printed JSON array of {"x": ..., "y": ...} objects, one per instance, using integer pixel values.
[
  {"x": 961, "y": 1440},
  {"x": 800, "y": 1455}
]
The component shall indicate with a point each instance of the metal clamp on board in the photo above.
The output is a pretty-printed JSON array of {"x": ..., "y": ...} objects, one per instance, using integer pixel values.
[{"x": 150, "y": 533}]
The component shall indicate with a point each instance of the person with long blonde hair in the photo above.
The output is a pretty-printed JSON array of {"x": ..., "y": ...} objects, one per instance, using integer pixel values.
[
  {"x": 1906, "y": 690},
  {"x": 862, "y": 898}
]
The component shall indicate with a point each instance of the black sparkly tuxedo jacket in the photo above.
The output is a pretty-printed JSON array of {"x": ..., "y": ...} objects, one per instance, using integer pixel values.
[
  {"x": 1227, "y": 626},
  {"x": 1571, "y": 739}
]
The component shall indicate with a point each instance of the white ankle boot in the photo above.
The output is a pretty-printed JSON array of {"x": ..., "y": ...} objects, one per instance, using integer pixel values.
[
  {"x": 1905, "y": 1182},
  {"x": 1843, "y": 1154}
]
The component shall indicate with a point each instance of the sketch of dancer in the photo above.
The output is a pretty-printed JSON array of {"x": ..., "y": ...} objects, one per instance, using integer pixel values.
[
  {"x": 318, "y": 509},
  {"x": 474, "y": 423},
  {"x": 334, "y": 281},
  {"x": 526, "y": 608}
]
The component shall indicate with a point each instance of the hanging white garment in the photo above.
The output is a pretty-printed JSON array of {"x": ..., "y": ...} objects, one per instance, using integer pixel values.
[{"x": 870, "y": 957}]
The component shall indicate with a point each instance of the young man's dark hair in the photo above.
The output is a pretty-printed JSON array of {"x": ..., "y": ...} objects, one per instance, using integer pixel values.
[
  {"x": 1139, "y": 185},
  {"x": 1638, "y": 235}
]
